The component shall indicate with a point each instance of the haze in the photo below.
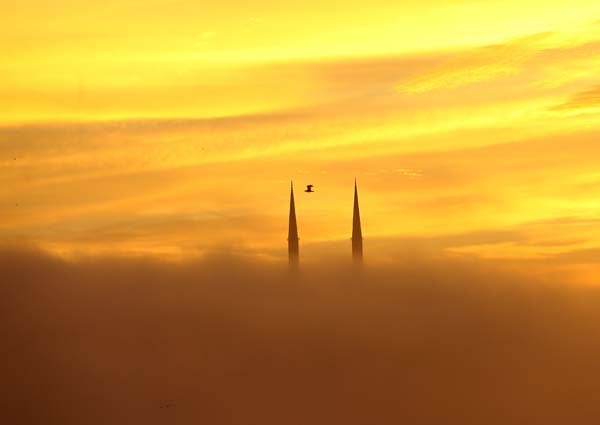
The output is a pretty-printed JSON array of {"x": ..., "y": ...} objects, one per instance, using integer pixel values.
[
  {"x": 146, "y": 154},
  {"x": 228, "y": 340}
]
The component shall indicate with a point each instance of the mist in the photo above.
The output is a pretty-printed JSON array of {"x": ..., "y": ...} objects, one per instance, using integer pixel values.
[{"x": 227, "y": 339}]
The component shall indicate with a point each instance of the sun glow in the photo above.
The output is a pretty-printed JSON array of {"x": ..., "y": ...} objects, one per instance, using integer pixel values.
[{"x": 472, "y": 127}]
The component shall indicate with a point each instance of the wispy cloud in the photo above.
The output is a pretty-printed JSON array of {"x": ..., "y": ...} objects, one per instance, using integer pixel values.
[
  {"x": 472, "y": 147},
  {"x": 588, "y": 99}
]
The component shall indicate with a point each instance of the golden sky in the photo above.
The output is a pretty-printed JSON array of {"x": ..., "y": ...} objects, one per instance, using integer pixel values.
[{"x": 175, "y": 127}]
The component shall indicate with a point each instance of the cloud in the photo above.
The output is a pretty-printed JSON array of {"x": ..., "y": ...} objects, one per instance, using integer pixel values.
[
  {"x": 588, "y": 99},
  {"x": 579, "y": 256},
  {"x": 475, "y": 66},
  {"x": 141, "y": 197},
  {"x": 469, "y": 156},
  {"x": 230, "y": 340},
  {"x": 534, "y": 66}
]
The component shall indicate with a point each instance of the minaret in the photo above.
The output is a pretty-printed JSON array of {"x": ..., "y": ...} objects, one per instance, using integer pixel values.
[
  {"x": 357, "y": 246},
  {"x": 293, "y": 252}
]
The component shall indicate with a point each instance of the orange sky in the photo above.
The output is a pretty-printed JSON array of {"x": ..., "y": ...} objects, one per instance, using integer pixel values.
[{"x": 174, "y": 127}]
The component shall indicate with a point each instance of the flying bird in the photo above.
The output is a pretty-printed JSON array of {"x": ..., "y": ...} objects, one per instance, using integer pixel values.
[{"x": 309, "y": 188}]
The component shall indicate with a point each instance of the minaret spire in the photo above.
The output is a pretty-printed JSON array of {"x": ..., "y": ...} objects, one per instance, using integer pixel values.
[
  {"x": 357, "y": 245},
  {"x": 293, "y": 251}
]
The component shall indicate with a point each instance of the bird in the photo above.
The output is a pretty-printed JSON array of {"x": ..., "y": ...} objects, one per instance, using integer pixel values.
[{"x": 309, "y": 188}]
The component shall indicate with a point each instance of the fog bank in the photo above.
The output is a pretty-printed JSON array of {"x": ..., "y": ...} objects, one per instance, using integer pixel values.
[{"x": 227, "y": 340}]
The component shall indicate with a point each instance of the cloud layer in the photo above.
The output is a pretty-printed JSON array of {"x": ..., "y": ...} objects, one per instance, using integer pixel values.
[{"x": 227, "y": 340}]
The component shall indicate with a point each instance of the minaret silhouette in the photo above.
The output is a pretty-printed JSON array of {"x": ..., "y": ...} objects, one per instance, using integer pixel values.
[
  {"x": 357, "y": 245},
  {"x": 293, "y": 251}
]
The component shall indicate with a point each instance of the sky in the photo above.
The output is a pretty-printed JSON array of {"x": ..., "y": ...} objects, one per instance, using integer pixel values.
[
  {"x": 174, "y": 128},
  {"x": 146, "y": 154}
]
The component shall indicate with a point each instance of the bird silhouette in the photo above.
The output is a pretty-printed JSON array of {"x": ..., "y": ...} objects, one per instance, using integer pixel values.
[{"x": 309, "y": 188}]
